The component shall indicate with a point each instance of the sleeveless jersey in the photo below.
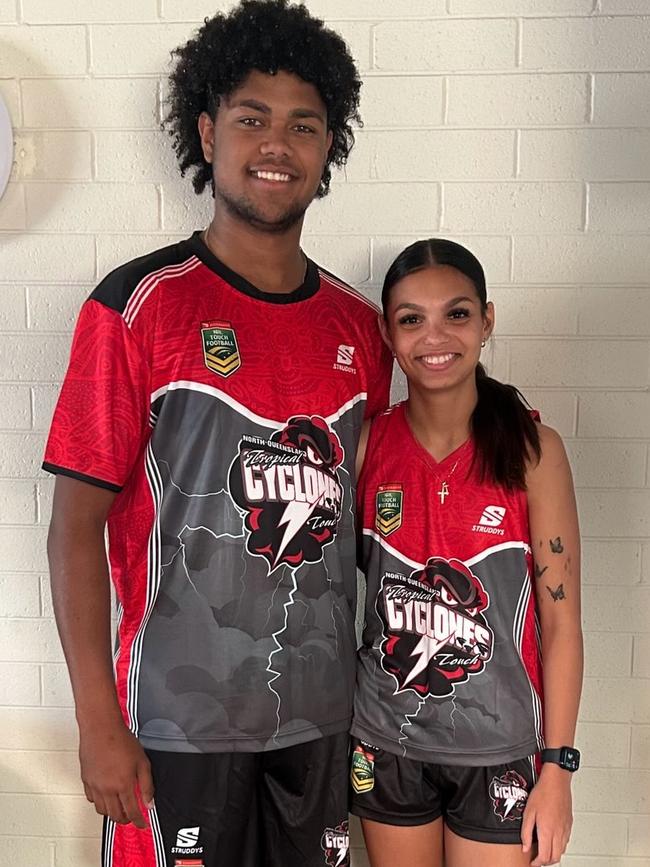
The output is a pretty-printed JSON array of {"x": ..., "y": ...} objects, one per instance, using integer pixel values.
[
  {"x": 449, "y": 669},
  {"x": 227, "y": 419}
]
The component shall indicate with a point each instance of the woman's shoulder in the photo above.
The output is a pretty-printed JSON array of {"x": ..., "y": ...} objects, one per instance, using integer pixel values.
[{"x": 553, "y": 459}]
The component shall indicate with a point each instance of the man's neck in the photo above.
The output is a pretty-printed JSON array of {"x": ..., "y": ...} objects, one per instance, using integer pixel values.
[{"x": 271, "y": 262}]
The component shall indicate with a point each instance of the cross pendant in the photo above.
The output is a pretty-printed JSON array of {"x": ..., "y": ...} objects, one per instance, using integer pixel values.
[{"x": 443, "y": 492}]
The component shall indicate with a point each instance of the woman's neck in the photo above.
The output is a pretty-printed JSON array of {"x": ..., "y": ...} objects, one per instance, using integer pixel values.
[{"x": 441, "y": 421}]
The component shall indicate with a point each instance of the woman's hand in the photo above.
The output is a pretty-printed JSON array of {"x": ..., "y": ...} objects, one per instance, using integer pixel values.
[{"x": 549, "y": 810}]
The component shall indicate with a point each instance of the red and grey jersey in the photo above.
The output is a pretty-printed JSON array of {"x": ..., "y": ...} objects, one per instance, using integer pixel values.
[
  {"x": 449, "y": 669},
  {"x": 227, "y": 419}
]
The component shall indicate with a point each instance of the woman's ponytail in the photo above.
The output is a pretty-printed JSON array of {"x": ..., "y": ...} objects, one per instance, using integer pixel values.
[{"x": 505, "y": 433}]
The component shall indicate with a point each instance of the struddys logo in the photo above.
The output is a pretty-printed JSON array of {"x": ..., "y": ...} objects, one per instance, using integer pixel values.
[
  {"x": 289, "y": 488},
  {"x": 509, "y": 794},
  {"x": 335, "y": 843},
  {"x": 436, "y": 634}
]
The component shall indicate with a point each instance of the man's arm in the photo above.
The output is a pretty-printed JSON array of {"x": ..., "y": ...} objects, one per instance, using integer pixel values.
[{"x": 113, "y": 762}]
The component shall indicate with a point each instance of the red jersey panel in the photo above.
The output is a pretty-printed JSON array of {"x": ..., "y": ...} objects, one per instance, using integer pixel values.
[
  {"x": 449, "y": 669},
  {"x": 227, "y": 419}
]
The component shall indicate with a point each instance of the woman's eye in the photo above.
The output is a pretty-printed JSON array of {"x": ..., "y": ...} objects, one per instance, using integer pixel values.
[
  {"x": 409, "y": 319},
  {"x": 459, "y": 313}
]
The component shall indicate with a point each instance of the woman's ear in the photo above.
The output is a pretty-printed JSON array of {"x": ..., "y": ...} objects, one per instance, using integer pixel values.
[
  {"x": 383, "y": 330},
  {"x": 488, "y": 320}
]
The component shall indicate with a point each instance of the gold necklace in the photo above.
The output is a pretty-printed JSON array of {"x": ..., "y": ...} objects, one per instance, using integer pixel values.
[{"x": 444, "y": 491}]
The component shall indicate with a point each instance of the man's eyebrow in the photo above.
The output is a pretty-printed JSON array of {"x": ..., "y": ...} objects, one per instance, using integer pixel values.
[
  {"x": 307, "y": 112},
  {"x": 263, "y": 108},
  {"x": 251, "y": 103}
]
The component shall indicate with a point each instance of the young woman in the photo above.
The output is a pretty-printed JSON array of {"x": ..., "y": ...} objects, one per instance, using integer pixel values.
[{"x": 471, "y": 665}]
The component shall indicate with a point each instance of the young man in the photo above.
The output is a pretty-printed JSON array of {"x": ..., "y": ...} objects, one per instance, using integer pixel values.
[{"x": 210, "y": 417}]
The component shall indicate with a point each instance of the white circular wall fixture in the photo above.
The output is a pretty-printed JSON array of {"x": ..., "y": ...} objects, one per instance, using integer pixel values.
[{"x": 6, "y": 147}]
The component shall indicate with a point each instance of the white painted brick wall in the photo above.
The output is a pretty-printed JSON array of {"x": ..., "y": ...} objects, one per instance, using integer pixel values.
[{"x": 518, "y": 127}]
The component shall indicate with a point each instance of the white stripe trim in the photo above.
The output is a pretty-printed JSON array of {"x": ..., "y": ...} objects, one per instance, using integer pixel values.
[
  {"x": 149, "y": 283},
  {"x": 348, "y": 289},
  {"x": 156, "y": 833},
  {"x": 382, "y": 542},
  {"x": 518, "y": 633},
  {"x": 108, "y": 842},
  {"x": 270, "y": 423},
  {"x": 471, "y": 562},
  {"x": 153, "y": 584}
]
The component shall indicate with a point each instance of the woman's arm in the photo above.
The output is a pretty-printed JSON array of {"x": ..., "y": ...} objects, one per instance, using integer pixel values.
[{"x": 555, "y": 543}]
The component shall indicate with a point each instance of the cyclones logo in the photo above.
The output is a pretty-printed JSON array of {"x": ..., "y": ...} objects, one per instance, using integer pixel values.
[
  {"x": 436, "y": 633},
  {"x": 288, "y": 485},
  {"x": 509, "y": 794},
  {"x": 335, "y": 843}
]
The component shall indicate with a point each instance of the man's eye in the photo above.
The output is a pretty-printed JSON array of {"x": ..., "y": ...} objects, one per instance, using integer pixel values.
[
  {"x": 249, "y": 121},
  {"x": 304, "y": 129}
]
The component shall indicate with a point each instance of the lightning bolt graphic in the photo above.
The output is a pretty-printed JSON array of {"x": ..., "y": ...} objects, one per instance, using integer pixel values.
[
  {"x": 295, "y": 516},
  {"x": 408, "y": 721},
  {"x": 510, "y": 803},
  {"x": 342, "y": 853},
  {"x": 278, "y": 648},
  {"x": 427, "y": 648}
]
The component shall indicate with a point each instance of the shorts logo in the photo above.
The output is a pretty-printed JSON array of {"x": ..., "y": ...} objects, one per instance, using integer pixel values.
[
  {"x": 362, "y": 773},
  {"x": 188, "y": 862},
  {"x": 435, "y": 631},
  {"x": 491, "y": 520},
  {"x": 289, "y": 489},
  {"x": 187, "y": 842},
  {"x": 335, "y": 843},
  {"x": 220, "y": 350},
  {"x": 509, "y": 794},
  {"x": 389, "y": 507}
]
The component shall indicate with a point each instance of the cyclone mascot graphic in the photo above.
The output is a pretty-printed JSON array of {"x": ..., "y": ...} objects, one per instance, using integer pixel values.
[
  {"x": 289, "y": 490},
  {"x": 435, "y": 631}
]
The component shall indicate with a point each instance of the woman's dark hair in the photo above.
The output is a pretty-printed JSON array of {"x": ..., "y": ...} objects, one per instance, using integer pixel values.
[
  {"x": 504, "y": 431},
  {"x": 268, "y": 36}
]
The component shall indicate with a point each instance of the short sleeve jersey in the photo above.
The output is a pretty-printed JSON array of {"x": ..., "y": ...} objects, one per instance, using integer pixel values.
[
  {"x": 227, "y": 421},
  {"x": 449, "y": 669}
]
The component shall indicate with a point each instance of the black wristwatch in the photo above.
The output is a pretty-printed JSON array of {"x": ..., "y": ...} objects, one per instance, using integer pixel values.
[{"x": 566, "y": 757}]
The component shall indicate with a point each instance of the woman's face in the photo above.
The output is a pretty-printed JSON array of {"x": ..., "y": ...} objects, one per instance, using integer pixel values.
[{"x": 435, "y": 326}]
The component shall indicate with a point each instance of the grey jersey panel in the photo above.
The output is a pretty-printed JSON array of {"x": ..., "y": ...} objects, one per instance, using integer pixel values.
[
  {"x": 487, "y": 719},
  {"x": 271, "y": 646}
]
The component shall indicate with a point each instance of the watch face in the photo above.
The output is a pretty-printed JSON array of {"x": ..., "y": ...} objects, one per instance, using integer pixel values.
[{"x": 570, "y": 759}]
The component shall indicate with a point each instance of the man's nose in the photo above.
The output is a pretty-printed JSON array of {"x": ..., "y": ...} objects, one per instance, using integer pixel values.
[{"x": 276, "y": 142}]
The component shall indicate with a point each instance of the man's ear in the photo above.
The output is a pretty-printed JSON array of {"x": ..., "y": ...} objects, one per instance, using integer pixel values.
[
  {"x": 383, "y": 330},
  {"x": 206, "y": 131},
  {"x": 330, "y": 139}
]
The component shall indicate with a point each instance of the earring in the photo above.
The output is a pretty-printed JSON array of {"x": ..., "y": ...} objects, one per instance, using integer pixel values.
[{"x": 483, "y": 342}]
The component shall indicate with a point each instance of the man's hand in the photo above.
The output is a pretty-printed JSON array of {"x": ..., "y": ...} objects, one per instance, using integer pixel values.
[
  {"x": 549, "y": 810},
  {"x": 114, "y": 767}
]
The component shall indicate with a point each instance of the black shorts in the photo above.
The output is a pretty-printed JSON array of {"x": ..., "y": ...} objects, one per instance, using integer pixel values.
[
  {"x": 284, "y": 807},
  {"x": 485, "y": 804}
]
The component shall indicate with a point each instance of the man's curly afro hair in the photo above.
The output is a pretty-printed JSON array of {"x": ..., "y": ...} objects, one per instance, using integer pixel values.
[{"x": 269, "y": 36}]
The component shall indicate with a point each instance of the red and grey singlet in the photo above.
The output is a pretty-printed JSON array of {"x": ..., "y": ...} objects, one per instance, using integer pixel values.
[
  {"x": 449, "y": 669},
  {"x": 227, "y": 421}
]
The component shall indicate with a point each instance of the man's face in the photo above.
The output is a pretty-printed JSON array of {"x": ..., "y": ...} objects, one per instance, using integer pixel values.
[{"x": 267, "y": 146}]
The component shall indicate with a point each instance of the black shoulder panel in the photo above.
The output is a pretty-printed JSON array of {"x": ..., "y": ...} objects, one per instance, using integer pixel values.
[{"x": 117, "y": 287}]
